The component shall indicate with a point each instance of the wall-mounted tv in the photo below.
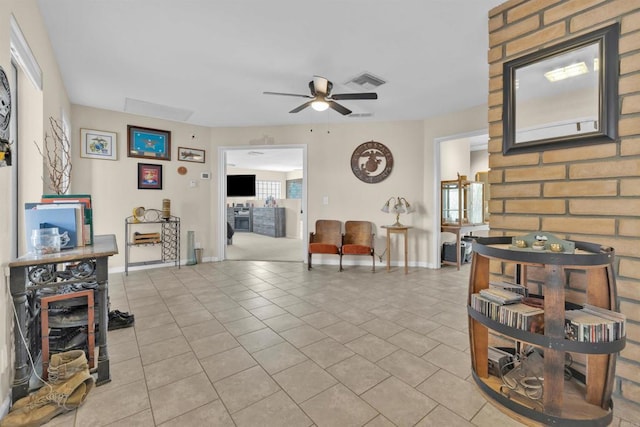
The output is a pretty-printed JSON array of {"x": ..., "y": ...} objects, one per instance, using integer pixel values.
[{"x": 241, "y": 185}]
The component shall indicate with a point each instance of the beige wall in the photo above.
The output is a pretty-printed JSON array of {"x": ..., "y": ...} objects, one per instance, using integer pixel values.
[
  {"x": 329, "y": 173},
  {"x": 479, "y": 162},
  {"x": 455, "y": 158},
  {"x": 349, "y": 198},
  {"x": 587, "y": 193},
  {"x": 33, "y": 120},
  {"x": 113, "y": 184}
]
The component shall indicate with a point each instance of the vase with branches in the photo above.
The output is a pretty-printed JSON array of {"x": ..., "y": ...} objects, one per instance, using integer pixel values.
[{"x": 56, "y": 151}]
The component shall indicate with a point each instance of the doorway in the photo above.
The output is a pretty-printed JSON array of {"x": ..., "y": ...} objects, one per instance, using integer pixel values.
[
  {"x": 466, "y": 154},
  {"x": 267, "y": 220}
]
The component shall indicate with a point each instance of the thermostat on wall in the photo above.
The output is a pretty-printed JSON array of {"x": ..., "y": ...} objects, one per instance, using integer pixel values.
[{"x": 205, "y": 175}]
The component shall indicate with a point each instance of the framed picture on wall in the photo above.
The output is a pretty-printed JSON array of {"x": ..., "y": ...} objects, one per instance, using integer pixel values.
[
  {"x": 148, "y": 143},
  {"x": 98, "y": 144},
  {"x": 149, "y": 176},
  {"x": 191, "y": 155}
]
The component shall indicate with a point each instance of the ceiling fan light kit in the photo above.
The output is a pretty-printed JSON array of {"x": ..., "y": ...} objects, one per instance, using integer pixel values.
[
  {"x": 319, "y": 105},
  {"x": 322, "y": 99}
]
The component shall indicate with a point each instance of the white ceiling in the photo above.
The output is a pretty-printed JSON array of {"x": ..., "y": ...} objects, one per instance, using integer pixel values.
[
  {"x": 215, "y": 57},
  {"x": 266, "y": 158}
]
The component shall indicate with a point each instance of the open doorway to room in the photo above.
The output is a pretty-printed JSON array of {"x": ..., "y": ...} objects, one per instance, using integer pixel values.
[
  {"x": 466, "y": 155},
  {"x": 264, "y": 202}
]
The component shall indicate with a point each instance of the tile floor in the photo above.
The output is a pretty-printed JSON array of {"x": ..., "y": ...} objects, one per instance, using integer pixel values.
[{"x": 271, "y": 344}]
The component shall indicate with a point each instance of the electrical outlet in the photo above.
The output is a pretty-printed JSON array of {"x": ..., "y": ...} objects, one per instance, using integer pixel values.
[
  {"x": 325, "y": 200},
  {"x": 193, "y": 183}
]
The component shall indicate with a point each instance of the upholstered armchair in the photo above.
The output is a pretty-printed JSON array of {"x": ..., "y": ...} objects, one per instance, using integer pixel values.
[
  {"x": 358, "y": 240},
  {"x": 327, "y": 239}
]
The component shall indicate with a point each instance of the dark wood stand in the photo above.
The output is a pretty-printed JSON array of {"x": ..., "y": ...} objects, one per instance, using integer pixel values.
[
  {"x": 29, "y": 273},
  {"x": 564, "y": 402}
]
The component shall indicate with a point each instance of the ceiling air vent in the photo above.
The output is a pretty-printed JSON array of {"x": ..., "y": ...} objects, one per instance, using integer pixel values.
[
  {"x": 150, "y": 109},
  {"x": 366, "y": 81},
  {"x": 356, "y": 115}
]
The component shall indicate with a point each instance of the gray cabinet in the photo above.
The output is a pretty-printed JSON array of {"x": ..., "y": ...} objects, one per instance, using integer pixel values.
[
  {"x": 240, "y": 218},
  {"x": 269, "y": 221}
]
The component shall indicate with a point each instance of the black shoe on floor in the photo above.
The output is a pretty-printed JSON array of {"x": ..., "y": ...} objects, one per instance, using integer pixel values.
[
  {"x": 120, "y": 322},
  {"x": 119, "y": 313}
]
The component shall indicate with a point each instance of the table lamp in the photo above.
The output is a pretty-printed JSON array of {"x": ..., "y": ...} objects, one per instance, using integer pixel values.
[{"x": 400, "y": 205}]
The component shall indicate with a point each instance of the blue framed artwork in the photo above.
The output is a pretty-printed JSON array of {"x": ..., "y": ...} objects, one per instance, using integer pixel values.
[
  {"x": 148, "y": 143},
  {"x": 294, "y": 189}
]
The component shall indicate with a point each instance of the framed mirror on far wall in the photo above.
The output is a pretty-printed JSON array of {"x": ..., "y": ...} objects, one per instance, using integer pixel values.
[{"x": 564, "y": 95}]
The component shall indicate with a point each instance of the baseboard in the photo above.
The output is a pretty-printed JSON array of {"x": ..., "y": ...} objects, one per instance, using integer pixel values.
[
  {"x": 328, "y": 261},
  {"x": 145, "y": 267},
  {"x": 6, "y": 405},
  {"x": 166, "y": 264}
]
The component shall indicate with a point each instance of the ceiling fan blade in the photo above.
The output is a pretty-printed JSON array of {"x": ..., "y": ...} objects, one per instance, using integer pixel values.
[
  {"x": 287, "y": 94},
  {"x": 368, "y": 95},
  {"x": 301, "y": 107},
  {"x": 339, "y": 108}
]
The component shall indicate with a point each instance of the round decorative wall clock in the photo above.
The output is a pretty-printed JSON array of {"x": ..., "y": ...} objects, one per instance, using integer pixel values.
[
  {"x": 371, "y": 162},
  {"x": 5, "y": 106}
]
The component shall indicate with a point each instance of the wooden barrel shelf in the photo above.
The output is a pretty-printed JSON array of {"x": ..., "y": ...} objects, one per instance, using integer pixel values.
[{"x": 585, "y": 398}]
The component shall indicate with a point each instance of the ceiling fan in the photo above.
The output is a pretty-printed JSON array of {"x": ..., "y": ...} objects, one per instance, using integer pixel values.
[{"x": 321, "y": 97}]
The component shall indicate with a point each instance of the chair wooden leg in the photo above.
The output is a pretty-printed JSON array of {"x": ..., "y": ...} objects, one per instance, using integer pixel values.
[
  {"x": 309, "y": 261},
  {"x": 340, "y": 262},
  {"x": 373, "y": 258}
]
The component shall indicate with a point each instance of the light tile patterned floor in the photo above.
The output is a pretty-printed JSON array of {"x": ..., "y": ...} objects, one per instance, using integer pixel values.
[{"x": 242, "y": 343}]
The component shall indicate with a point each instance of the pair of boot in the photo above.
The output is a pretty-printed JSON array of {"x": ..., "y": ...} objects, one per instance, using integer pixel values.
[{"x": 67, "y": 389}]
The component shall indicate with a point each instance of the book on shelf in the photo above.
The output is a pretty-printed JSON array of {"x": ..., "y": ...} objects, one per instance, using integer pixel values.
[
  {"x": 594, "y": 324},
  {"x": 512, "y": 287},
  {"x": 501, "y": 296},
  {"x": 85, "y": 200}
]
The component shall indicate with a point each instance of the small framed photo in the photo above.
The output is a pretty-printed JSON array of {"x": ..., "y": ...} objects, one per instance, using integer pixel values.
[
  {"x": 98, "y": 144},
  {"x": 149, "y": 176},
  {"x": 191, "y": 155},
  {"x": 148, "y": 143}
]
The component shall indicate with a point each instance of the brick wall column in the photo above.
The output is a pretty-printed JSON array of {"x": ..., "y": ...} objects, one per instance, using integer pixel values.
[{"x": 589, "y": 193}]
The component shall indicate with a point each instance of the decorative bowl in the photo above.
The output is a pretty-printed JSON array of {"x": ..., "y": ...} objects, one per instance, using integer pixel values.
[
  {"x": 519, "y": 243},
  {"x": 556, "y": 247}
]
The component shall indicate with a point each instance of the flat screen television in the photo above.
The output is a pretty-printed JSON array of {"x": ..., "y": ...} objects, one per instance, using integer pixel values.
[{"x": 241, "y": 185}]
